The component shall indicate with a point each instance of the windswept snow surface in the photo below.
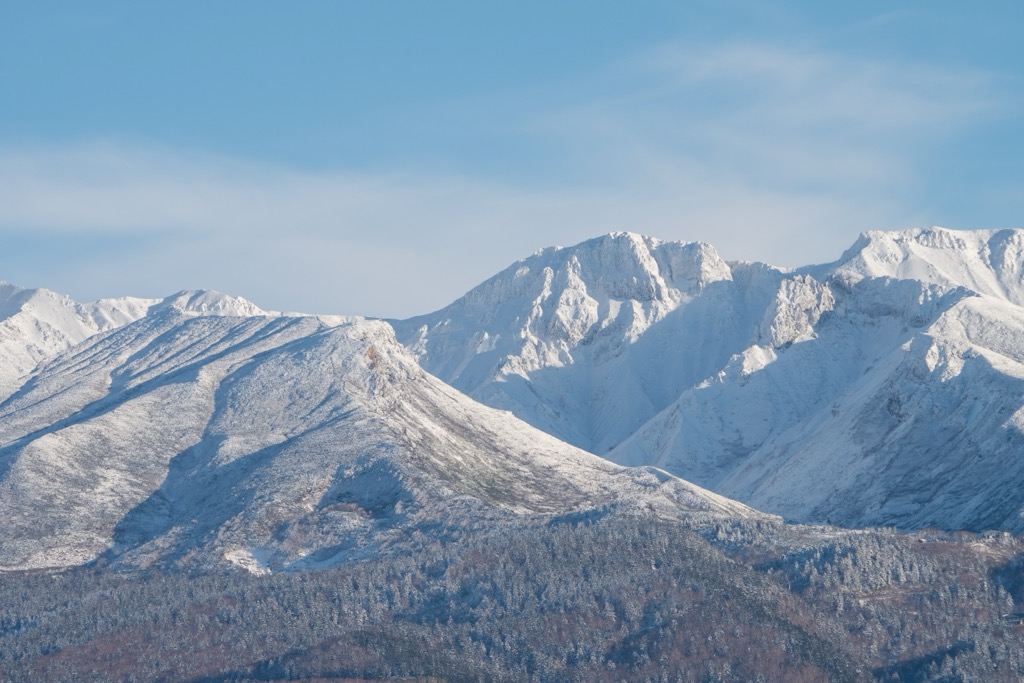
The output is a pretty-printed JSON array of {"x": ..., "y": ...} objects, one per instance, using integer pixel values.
[
  {"x": 274, "y": 442},
  {"x": 885, "y": 388}
]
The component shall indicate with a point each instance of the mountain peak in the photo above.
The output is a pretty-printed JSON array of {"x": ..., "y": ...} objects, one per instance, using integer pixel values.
[
  {"x": 684, "y": 266},
  {"x": 755, "y": 380},
  {"x": 618, "y": 266},
  {"x": 988, "y": 262},
  {"x": 38, "y": 323},
  {"x": 216, "y": 439},
  {"x": 210, "y": 302},
  {"x": 578, "y": 311}
]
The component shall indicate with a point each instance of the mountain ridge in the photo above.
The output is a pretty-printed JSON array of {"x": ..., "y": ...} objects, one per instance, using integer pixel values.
[
  {"x": 883, "y": 388},
  {"x": 544, "y": 310},
  {"x": 37, "y": 324},
  {"x": 274, "y": 443},
  {"x": 152, "y": 474},
  {"x": 712, "y": 382}
]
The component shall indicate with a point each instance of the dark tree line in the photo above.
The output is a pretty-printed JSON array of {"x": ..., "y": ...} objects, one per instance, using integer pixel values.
[{"x": 590, "y": 598}]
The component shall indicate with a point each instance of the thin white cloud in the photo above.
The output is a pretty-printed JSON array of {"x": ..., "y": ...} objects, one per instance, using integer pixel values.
[
  {"x": 790, "y": 86},
  {"x": 783, "y": 117},
  {"x": 334, "y": 242},
  {"x": 768, "y": 153}
]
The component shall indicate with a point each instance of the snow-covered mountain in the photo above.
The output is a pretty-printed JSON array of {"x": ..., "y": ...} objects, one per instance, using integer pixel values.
[
  {"x": 589, "y": 342},
  {"x": 988, "y": 262},
  {"x": 885, "y": 388},
  {"x": 274, "y": 442},
  {"x": 200, "y": 433},
  {"x": 37, "y": 324}
]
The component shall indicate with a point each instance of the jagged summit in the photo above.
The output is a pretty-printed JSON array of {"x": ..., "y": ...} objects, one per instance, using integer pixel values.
[
  {"x": 619, "y": 265},
  {"x": 577, "y": 311},
  {"x": 989, "y": 262},
  {"x": 847, "y": 392},
  {"x": 209, "y": 302}
]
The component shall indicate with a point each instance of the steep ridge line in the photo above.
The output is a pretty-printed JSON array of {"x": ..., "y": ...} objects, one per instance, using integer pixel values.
[
  {"x": 763, "y": 384},
  {"x": 276, "y": 443}
]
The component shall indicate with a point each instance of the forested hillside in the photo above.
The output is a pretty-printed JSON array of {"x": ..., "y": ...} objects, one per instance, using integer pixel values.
[{"x": 601, "y": 597}]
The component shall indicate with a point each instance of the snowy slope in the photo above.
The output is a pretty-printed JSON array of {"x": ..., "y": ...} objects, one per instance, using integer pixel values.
[
  {"x": 274, "y": 442},
  {"x": 891, "y": 415},
  {"x": 589, "y": 342},
  {"x": 931, "y": 436},
  {"x": 989, "y": 262},
  {"x": 36, "y": 324},
  {"x": 884, "y": 388}
]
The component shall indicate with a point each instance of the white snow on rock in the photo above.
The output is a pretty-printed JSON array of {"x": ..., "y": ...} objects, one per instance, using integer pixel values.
[
  {"x": 989, "y": 262},
  {"x": 884, "y": 388},
  {"x": 274, "y": 442},
  {"x": 207, "y": 302},
  {"x": 37, "y": 324},
  {"x": 589, "y": 342}
]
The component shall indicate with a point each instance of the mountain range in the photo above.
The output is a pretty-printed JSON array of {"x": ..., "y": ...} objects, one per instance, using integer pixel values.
[
  {"x": 208, "y": 431},
  {"x": 882, "y": 389}
]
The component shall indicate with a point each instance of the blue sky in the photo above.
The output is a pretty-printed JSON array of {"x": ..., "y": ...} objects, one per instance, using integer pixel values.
[{"x": 380, "y": 158}]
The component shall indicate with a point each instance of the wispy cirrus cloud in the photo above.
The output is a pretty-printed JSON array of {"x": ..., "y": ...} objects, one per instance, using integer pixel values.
[
  {"x": 775, "y": 115},
  {"x": 768, "y": 152}
]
